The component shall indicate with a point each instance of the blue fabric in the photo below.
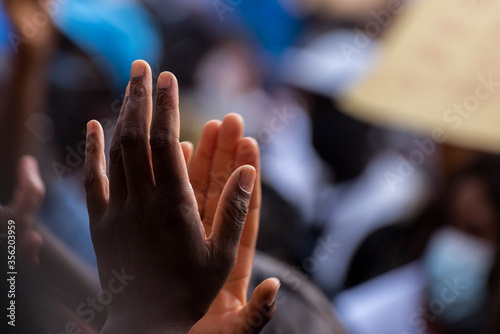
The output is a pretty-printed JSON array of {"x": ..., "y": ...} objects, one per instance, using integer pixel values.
[
  {"x": 270, "y": 23},
  {"x": 114, "y": 33},
  {"x": 5, "y": 30},
  {"x": 64, "y": 212}
]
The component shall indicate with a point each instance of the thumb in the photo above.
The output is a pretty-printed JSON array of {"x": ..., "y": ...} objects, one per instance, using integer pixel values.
[
  {"x": 232, "y": 211},
  {"x": 261, "y": 307}
]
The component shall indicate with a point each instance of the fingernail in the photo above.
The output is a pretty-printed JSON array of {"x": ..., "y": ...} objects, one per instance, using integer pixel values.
[
  {"x": 165, "y": 80},
  {"x": 247, "y": 179},
  {"x": 137, "y": 69},
  {"x": 270, "y": 299}
]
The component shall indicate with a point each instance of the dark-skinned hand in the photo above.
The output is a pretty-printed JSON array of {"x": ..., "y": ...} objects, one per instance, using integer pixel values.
[{"x": 144, "y": 219}]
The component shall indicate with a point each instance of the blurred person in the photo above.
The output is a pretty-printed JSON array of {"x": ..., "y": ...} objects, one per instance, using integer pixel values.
[
  {"x": 359, "y": 11},
  {"x": 302, "y": 307},
  {"x": 444, "y": 264},
  {"x": 45, "y": 280},
  {"x": 410, "y": 237},
  {"x": 283, "y": 234},
  {"x": 30, "y": 54},
  {"x": 27, "y": 124},
  {"x": 352, "y": 199},
  {"x": 40, "y": 256},
  {"x": 22, "y": 108}
]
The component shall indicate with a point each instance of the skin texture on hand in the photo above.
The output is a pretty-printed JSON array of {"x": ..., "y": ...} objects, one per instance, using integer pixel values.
[{"x": 145, "y": 222}]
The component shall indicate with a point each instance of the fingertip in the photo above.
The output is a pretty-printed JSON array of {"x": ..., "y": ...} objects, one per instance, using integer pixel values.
[
  {"x": 247, "y": 178},
  {"x": 214, "y": 123},
  {"x": 233, "y": 117},
  {"x": 252, "y": 140},
  {"x": 273, "y": 287},
  {"x": 275, "y": 282},
  {"x": 231, "y": 131},
  {"x": 234, "y": 121},
  {"x": 262, "y": 302},
  {"x": 187, "y": 145},
  {"x": 94, "y": 144},
  {"x": 166, "y": 80},
  {"x": 93, "y": 126},
  {"x": 210, "y": 133},
  {"x": 95, "y": 136},
  {"x": 139, "y": 68}
]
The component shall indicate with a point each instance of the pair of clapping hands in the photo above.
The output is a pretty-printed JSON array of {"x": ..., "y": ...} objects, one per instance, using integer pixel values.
[{"x": 185, "y": 237}]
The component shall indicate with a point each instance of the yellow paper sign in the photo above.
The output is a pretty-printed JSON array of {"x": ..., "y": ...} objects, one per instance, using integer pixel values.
[{"x": 439, "y": 73}]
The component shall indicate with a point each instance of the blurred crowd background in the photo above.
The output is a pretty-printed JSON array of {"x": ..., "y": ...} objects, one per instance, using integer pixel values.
[{"x": 385, "y": 240}]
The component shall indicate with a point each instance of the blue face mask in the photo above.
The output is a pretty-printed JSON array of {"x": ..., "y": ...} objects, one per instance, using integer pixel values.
[{"x": 457, "y": 268}]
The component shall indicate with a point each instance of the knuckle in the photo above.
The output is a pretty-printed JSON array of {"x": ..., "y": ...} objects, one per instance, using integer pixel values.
[
  {"x": 138, "y": 97},
  {"x": 136, "y": 101},
  {"x": 122, "y": 108},
  {"x": 170, "y": 198},
  {"x": 237, "y": 208},
  {"x": 88, "y": 180},
  {"x": 138, "y": 89},
  {"x": 161, "y": 138},
  {"x": 130, "y": 137},
  {"x": 115, "y": 153},
  {"x": 164, "y": 101}
]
